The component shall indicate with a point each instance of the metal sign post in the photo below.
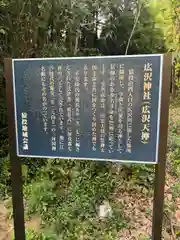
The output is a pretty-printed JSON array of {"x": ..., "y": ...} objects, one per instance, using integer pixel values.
[
  {"x": 16, "y": 174},
  {"x": 161, "y": 165}
]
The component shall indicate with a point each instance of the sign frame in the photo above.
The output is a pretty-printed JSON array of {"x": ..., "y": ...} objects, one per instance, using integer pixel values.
[
  {"x": 16, "y": 170},
  {"x": 94, "y": 57}
]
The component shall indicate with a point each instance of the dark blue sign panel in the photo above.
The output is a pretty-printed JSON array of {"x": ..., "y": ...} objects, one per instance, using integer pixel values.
[{"x": 101, "y": 108}]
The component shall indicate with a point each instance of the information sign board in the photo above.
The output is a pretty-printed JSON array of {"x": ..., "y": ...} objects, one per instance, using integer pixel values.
[{"x": 101, "y": 108}]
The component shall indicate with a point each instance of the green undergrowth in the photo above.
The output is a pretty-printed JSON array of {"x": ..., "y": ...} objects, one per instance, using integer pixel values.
[
  {"x": 33, "y": 235},
  {"x": 174, "y": 140},
  {"x": 67, "y": 194}
]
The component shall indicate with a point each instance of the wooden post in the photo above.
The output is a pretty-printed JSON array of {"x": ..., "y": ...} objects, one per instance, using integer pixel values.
[
  {"x": 16, "y": 171},
  {"x": 161, "y": 166}
]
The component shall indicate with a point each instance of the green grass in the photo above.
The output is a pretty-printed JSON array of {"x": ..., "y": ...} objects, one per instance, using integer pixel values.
[{"x": 67, "y": 200}]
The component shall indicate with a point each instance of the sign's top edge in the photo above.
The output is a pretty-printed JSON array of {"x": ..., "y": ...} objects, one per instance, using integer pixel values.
[{"x": 88, "y": 57}]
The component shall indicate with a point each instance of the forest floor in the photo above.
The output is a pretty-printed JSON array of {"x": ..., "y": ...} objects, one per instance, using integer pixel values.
[
  {"x": 137, "y": 209},
  {"x": 6, "y": 226}
]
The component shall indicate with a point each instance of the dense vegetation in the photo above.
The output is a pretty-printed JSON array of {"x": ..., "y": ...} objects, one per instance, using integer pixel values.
[{"x": 66, "y": 194}]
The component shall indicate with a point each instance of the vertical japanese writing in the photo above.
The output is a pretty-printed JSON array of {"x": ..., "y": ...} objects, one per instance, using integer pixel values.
[
  {"x": 77, "y": 109},
  {"x": 60, "y": 106},
  {"x": 24, "y": 130},
  {"x": 111, "y": 120},
  {"x": 94, "y": 107},
  {"x": 86, "y": 76},
  {"x": 120, "y": 110},
  {"x": 121, "y": 75},
  {"x": 129, "y": 110},
  {"x": 102, "y": 114},
  {"x": 69, "y": 106},
  {"x": 53, "y": 110},
  {"x": 44, "y": 98},
  {"x": 145, "y": 110}
]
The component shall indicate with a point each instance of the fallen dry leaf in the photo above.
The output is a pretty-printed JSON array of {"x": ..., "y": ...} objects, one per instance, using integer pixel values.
[
  {"x": 137, "y": 209},
  {"x": 177, "y": 215},
  {"x": 169, "y": 197},
  {"x": 166, "y": 235}
]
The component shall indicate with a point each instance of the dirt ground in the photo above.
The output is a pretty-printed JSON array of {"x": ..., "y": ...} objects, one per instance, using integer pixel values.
[
  {"x": 138, "y": 209},
  {"x": 6, "y": 226}
]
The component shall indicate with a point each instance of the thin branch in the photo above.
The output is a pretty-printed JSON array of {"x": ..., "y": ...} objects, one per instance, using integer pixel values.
[
  {"x": 171, "y": 226},
  {"x": 76, "y": 44},
  {"x": 133, "y": 29},
  {"x": 175, "y": 12},
  {"x": 172, "y": 230},
  {"x": 91, "y": 23}
]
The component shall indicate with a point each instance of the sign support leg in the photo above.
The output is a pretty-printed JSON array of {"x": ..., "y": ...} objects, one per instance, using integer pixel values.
[
  {"x": 16, "y": 171},
  {"x": 158, "y": 206},
  {"x": 17, "y": 198},
  {"x": 158, "y": 201}
]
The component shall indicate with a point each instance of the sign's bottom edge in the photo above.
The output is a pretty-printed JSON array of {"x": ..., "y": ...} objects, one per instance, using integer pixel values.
[{"x": 95, "y": 159}]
